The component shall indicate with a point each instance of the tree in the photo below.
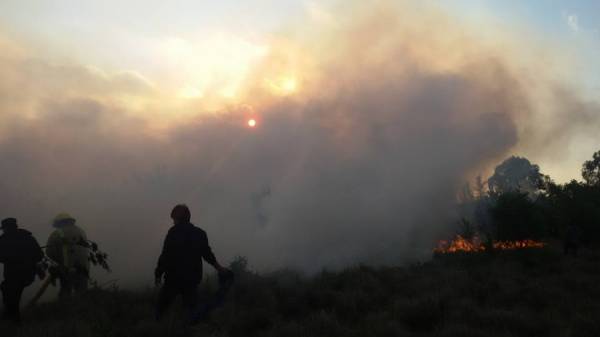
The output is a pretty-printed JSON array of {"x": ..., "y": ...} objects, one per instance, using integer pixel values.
[
  {"x": 516, "y": 174},
  {"x": 574, "y": 203},
  {"x": 516, "y": 217},
  {"x": 591, "y": 170}
]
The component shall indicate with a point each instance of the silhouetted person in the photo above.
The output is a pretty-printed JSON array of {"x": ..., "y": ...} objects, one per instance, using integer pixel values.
[
  {"x": 572, "y": 238},
  {"x": 67, "y": 246},
  {"x": 20, "y": 253},
  {"x": 181, "y": 262}
]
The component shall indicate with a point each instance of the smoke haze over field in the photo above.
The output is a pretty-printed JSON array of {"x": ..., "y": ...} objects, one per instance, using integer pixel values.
[{"x": 368, "y": 123}]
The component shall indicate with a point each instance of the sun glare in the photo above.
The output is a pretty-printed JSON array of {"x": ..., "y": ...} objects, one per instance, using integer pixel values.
[
  {"x": 283, "y": 86},
  {"x": 190, "y": 92},
  {"x": 252, "y": 123},
  {"x": 288, "y": 85}
]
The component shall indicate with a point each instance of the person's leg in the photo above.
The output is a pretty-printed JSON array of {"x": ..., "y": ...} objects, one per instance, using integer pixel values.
[
  {"x": 80, "y": 282},
  {"x": 165, "y": 297},
  {"x": 11, "y": 298},
  {"x": 18, "y": 292},
  {"x": 5, "y": 300},
  {"x": 66, "y": 287},
  {"x": 189, "y": 296}
]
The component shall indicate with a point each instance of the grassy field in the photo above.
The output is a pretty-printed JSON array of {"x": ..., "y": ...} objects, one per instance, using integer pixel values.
[{"x": 534, "y": 292}]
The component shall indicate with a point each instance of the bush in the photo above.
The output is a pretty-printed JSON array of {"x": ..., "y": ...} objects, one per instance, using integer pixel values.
[
  {"x": 512, "y": 293},
  {"x": 516, "y": 217}
]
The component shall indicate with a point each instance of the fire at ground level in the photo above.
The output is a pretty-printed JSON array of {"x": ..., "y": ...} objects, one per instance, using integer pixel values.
[{"x": 475, "y": 244}]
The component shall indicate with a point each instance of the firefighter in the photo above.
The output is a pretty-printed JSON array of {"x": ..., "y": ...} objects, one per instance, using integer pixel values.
[
  {"x": 181, "y": 262},
  {"x": 20, "y": 254},
  {"x": 68, "y": 247}
]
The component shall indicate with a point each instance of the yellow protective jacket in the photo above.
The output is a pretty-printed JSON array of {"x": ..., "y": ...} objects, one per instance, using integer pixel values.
[{"x": 67, "y": 246}]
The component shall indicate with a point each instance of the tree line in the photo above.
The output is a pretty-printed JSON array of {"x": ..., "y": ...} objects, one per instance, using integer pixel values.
[{"x": 519, "y": 202}]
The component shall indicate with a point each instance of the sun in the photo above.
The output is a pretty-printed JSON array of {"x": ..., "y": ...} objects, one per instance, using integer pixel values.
[{"x": 252, "y": 122}]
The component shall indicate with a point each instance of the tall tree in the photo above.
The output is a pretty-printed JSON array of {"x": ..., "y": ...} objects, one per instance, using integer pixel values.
[
  {"x": 516, "y": 174},
  {"x": 591, "y": 170}
]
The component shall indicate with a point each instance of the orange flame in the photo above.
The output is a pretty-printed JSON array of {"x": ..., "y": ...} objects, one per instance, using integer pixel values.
[{"x": 460, "y": 244}]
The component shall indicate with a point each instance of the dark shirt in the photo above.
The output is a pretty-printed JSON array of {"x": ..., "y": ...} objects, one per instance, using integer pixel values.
[
  {"x": 181, "y": 258},
  {"x": 19, "y": 252}
]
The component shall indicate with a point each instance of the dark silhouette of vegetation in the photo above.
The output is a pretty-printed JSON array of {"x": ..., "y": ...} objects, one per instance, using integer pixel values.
[
  {"x": 522, "y": 203},
  {"x": 467, "y": 229},
  {"x": 96, "y": 257},
  {"x": 576, "y": 204},
  {"x": 537, "y": 292},
  {"x": 591, "y": 170},
  {"x": 516, "y": 174},
  {"x": 516, "y": 217}
]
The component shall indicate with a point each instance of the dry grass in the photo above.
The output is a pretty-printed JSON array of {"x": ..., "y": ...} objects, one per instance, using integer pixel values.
[{"x": 519, "y": 293}]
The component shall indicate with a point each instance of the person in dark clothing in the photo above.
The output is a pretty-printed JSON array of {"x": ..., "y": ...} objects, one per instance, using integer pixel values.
[
  {"x": 20, "y": 253},
  {"x": 181, "y": 262}
]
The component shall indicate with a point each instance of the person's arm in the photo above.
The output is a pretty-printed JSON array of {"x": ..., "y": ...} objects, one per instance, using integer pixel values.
[
  {"x": 83, "y": 237},
  {"x": 54, "y": 247},
  {"x": 38, "y": 254},
  {"x": 2, "y": 253},
  {"x": 161, "y": 266},
  {"x": 209, "y": 256}
]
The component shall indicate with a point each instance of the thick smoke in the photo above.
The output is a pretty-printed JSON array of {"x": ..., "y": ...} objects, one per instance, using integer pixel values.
[{"x": 393, "y": 111}]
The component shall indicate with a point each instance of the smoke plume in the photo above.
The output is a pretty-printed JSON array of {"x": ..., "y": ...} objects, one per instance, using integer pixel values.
[{"x": 368, "y": 123}]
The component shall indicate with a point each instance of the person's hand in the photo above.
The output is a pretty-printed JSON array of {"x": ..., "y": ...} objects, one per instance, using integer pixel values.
[
  {"x": 41, "y": 273},
  {"x": 223, "y": 270},
  {"x": 218, "y": 267},
  {"x": 225, "y": 277}
]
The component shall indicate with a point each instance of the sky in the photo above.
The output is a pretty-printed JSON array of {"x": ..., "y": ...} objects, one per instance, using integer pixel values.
[
  {"x": 102, "y": 33},
  {"x": 572, "y": 25},
  {"x": 190, "y": 45},
  {"x": 368, "y": 118}
]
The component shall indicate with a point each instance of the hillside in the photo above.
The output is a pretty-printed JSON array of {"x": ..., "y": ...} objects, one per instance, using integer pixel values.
[{"x": 536, "y": 292}]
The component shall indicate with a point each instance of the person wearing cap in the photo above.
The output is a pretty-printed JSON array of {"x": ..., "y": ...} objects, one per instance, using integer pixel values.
[
  {"x": 20, "y": 254},
  {"x": 68, "y": 247},
  {"x": 180, "y": 262}
]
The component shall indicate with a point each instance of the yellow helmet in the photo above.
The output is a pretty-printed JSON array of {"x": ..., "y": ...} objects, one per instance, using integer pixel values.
[{"x": 62, "y": 218}]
